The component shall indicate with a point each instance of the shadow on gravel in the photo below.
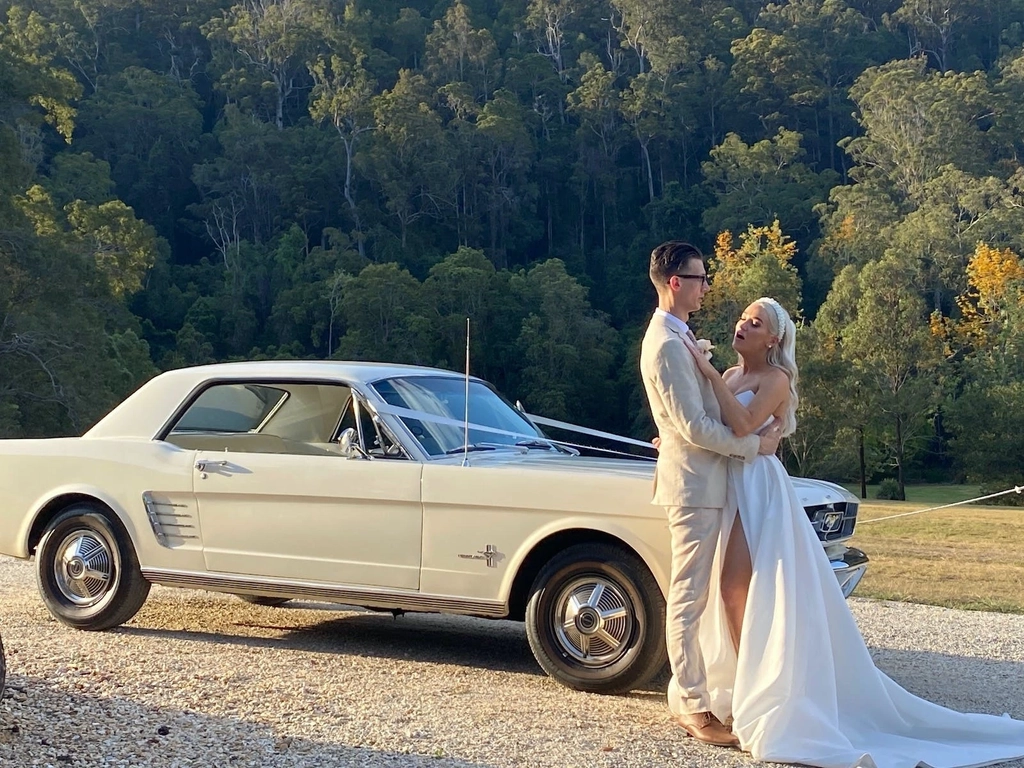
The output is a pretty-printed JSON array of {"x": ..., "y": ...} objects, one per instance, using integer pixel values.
[
  {"x": 500, "y": 646},
  {"x": 495, "y": 645},
  {"x": 962, "y": 683},
  {"x": 41, "y": 724}
]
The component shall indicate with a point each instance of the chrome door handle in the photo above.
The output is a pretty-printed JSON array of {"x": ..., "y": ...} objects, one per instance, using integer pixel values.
[{"x": 203, "y": 464}]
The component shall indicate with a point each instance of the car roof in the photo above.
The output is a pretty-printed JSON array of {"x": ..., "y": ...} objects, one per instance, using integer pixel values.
[
  {"x": 353, "y": 371},
  {"x": 144, "y": 413}
]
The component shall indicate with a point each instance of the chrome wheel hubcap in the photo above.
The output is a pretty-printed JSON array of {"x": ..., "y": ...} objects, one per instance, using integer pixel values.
[
  {"x": 594, "y": 621},
  {"x": 84, "y": 568}
]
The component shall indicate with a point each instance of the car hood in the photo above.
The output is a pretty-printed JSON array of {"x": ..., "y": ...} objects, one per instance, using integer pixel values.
[
  {"x": 560, "y": 462},
  {"x": 809, "y": 492}
]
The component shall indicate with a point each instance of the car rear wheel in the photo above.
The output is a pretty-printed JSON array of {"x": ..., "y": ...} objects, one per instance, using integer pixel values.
[
  {"x": 87, "y": 570},
  {"x": 264, "y": 600},
  {"x": 596, "y": 619}
]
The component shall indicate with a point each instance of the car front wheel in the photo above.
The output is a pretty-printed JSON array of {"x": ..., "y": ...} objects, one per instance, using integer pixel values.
[
  {"x": 596, "y": 619},
  {"x": 87, "y": 570}
]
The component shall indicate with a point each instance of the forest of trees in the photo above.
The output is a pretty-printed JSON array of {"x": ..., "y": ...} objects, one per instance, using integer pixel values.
[{"x": 182, "y": 183}]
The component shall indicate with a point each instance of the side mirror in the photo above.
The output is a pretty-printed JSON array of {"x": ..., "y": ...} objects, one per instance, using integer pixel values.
[{"x": 348, "y": 443}]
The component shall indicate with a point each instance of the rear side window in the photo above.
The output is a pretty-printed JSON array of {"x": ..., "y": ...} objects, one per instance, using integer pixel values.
[{"x": 230, "y": 409}]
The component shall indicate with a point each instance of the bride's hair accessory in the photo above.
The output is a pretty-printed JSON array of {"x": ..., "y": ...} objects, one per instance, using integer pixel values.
[{"x": 780, "y": 314}]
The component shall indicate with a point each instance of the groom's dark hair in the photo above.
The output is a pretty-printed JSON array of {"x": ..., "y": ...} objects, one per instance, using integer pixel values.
[{"x": 671, "y": 258}]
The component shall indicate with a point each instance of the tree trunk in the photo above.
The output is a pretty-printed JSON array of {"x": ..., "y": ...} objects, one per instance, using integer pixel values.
[
  {"x": 349, "y": 197},
  {"x": 604, "y": 229},
  {"x": 650, "y": 175},
  {"x": 899, "y": 459},
  {"x": 551, "y": 225},
  {"x": 863, "y": 469}
]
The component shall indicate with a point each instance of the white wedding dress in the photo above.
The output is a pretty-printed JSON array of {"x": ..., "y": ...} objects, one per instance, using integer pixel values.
[{"x": 803, "y": 687}]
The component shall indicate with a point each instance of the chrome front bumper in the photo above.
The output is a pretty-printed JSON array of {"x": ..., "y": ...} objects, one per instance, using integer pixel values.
[{"x": 849, "y": 567}]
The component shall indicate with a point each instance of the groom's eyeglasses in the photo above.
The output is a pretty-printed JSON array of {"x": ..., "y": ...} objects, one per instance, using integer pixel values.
[{"x": 704, "y": 278}]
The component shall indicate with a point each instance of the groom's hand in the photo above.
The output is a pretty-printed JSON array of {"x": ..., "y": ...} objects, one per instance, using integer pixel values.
[{"x": 770, "y": 440}]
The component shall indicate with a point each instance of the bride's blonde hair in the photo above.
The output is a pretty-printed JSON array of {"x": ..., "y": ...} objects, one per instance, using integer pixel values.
[{"x": 783, "y": 354}]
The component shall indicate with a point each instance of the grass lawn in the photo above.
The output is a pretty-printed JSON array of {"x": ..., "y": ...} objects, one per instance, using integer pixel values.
[
  {"x": 964, "y": 557},
  {"x": 927, "y": 494}
]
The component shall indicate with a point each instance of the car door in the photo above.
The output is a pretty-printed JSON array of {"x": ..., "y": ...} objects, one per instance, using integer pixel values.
[
  {"x": 277, "y": 499},
  {"x": 311, "y": 518}
]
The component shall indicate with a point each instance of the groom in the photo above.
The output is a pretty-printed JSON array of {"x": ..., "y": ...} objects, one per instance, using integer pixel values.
[{"x": 690, "y": 480}]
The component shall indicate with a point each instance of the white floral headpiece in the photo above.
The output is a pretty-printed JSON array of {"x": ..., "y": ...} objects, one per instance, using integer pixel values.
[{"x": 780, "y": 313}]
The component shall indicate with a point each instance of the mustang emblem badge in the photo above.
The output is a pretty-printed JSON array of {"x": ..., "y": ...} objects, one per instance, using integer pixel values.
[
  {"x": 831, "y": 522},
  {"x": 489, "y": 553}
]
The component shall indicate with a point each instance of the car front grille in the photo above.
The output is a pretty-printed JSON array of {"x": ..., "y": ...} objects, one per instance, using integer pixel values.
[{"x": 833, "y": 521}]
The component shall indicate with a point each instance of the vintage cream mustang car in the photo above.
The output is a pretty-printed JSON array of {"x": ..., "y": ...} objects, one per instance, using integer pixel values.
[{"x": 390, "y": 487}]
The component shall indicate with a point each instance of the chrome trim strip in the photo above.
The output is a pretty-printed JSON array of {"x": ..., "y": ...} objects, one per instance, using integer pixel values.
[{"x": 370, "y": 598}]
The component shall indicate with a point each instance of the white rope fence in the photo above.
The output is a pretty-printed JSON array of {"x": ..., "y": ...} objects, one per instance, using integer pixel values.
[{"x": 1015, "y": 489}]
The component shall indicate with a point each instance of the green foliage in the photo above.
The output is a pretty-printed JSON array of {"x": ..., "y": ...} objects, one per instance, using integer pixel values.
[
  {"x": 755, "y": 185},
  {"x": 184, "y": 183},
  {"x": 147, "y": 128},
  {"x": 889, "y": 488},
  {"x": 566, "y": 349},
  {"x": 760, "y": 266}
]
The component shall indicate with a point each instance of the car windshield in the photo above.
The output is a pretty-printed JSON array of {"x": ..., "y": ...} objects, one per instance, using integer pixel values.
[{"x": 445, "y": 397}]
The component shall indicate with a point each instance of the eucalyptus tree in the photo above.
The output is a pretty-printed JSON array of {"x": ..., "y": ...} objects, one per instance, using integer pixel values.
[
  {"x": 410, "y": 158},
  {"x": 68, "y": 349},
  {"x": 596, "y": 105},
  {"x": 925, "y": 184},
  {"x": 758, "y": 183},
  {"x": 915, "y": 122},
  {"x": 567, "y": 350},
  {"x": 551, "y": 21},
  {"x": 464, "y": 286},
  {"x": 342, "y": 97},
  {"x": 457, "y": 51},
  {"x": 257, "y": 181},
  {"x": 264, "y": 43},
  {"x": 88, "y": 36},
  {"x": 828, "y": 441},
  {"x": 984, "y": 348},
  {"x": 761, "y": 264},
  {"x": 796, "y": 66},
  {"x": 148, "y": 127},
  {"x": 933, "y": 27},
  {"x": 877, "y": 318},
  {"x": 384, "y": 316},
  {"x": 507, "y": 154},
  {"x": 36, "y": 89}
]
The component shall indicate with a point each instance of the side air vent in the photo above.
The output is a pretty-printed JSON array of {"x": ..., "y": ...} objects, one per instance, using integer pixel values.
[{"x": 172, "y": 522}]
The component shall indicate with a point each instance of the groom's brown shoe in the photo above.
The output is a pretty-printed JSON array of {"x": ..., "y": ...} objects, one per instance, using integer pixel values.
[{"x": 704, "y": 726}]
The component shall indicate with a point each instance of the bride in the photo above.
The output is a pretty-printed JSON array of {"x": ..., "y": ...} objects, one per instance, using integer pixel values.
[{"x": 785, "y": 659}]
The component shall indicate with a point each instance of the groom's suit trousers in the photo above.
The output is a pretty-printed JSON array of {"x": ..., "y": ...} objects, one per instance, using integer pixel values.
[{"x": 694, "y": 532}]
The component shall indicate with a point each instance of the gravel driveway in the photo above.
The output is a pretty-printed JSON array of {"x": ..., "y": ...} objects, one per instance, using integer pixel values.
[{"x": 201, "y": 679}]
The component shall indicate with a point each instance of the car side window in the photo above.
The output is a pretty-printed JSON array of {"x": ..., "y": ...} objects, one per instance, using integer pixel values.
[
  {"x": 279, "y": 417},
  {"x": 230, "y": 409}
]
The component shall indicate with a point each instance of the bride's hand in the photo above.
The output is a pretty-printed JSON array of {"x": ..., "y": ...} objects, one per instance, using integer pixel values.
[{"x": 703, "y": 364}]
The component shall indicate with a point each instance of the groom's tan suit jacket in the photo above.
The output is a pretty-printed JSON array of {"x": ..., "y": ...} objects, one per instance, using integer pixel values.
[{"x": 695, "y": 445}]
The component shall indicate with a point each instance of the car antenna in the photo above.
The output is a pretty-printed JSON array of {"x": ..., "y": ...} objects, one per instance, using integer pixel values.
[{"x": 465, "y": 434}]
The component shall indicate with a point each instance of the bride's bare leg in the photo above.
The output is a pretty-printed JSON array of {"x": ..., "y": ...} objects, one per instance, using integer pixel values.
[{"x": 736, "y": 572}]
